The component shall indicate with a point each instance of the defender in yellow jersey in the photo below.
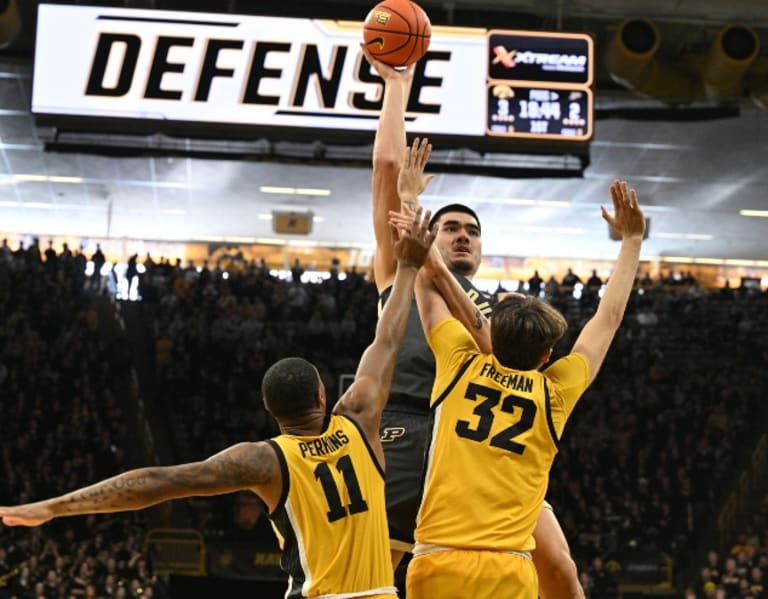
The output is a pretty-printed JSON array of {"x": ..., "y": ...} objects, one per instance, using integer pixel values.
[
  {"x": 322, "y": 478},
  {"x": 498, "y": 419},
  {"x": 334, "y": 491}
]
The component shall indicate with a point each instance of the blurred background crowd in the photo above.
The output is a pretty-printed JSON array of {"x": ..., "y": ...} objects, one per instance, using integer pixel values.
[{"x": 653, "y": 452}]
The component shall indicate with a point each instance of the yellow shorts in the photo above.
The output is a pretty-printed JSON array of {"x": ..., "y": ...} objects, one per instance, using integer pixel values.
[{"x": 458, "y": 574}]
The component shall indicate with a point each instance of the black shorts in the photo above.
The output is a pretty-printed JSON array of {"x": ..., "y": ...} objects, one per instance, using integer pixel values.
[{"x": 404, "y": 435}]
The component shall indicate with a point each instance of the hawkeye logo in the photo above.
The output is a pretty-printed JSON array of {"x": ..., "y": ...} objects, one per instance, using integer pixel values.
[{"x": 548, "y": 61}]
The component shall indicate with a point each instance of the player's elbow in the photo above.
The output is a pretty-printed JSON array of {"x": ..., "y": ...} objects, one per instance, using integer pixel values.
[
  {"x": 611, "y": 317},
  {"x": 386, "y": 163},
  {"x": 561, "y": 578}
]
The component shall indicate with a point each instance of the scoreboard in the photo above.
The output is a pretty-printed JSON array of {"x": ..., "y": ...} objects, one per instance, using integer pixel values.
[
  {"x": 146, "y": 70},
  {"x": 539, "y": 85}
]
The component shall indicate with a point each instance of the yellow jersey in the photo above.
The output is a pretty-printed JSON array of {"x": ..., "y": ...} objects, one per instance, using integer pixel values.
[
  {"x": 494, "y": 438},
  {"x": 331, "y": 519}
]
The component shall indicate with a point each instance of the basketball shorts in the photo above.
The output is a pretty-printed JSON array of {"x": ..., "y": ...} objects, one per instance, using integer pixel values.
[
  {"x": 404, "y": 435},
  {"x": 458, "y": 574}
]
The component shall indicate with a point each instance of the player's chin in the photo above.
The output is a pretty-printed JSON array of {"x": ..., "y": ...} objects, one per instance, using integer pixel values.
[{"x": 464, "y": 265}]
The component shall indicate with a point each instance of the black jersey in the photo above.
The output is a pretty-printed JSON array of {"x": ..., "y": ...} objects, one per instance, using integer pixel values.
[{"x": 415, "y": 366}]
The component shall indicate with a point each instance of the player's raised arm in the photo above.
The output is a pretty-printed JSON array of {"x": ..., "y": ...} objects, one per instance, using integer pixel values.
[
  {"x": 388, "y": 147},
  {"x": 367, "y": 396},
  {"x": 251, "y": 466},
  {"x": 628, "y": 221}
]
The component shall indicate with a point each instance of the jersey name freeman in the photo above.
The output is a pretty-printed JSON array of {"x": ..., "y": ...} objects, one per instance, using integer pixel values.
[
  {"x": 324, "y": 445},
  {"x": 517, "y": 381}
]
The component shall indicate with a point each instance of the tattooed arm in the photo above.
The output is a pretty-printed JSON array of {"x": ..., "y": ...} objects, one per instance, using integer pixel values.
[{"x": 251, "y": 466}]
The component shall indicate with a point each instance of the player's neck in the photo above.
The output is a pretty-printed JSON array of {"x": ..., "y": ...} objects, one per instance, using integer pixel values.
[{"x": 306, "y": 425}]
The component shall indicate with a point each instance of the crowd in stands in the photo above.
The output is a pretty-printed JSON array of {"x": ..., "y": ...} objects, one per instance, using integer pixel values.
[
  {"x": 742, "y": 572},
  {"x": 644, "y": 465},
  {"x": 62, "y": 427}
]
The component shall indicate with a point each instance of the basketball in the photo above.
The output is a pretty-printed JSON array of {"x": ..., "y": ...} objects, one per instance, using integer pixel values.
[{"x": 397, "y": 32}]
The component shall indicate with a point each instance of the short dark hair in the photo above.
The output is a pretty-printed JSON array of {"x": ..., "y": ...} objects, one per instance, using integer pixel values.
[
  {"x": 453, "y": 208},
  {"x": 289, "y": 387},
  {"x": 523, "y": 329}
]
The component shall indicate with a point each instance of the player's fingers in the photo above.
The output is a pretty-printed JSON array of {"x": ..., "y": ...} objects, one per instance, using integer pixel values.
[
  {"x": 616, "y": 195},
  {"x": 607, "y": 217}
]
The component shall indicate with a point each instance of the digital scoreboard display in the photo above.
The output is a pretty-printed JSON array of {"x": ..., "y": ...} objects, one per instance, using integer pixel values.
[
  {"x": 250, "y": 76},
  {"x": 538, "y": 85},
  {"x": 539, "y": 112}
]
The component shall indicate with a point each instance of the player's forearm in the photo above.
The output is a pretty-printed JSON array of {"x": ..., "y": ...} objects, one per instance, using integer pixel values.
[
  {"x": 463, "y": 308},
  {"x": 131, "y": 490},
  {"x": 390, "y": 139},
  {"x": 620, "y": 283},
  {"x": 394, "y": 316}
]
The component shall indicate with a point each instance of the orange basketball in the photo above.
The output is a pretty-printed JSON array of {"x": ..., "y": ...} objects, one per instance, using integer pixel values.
[{"x": 397, "y": 32}]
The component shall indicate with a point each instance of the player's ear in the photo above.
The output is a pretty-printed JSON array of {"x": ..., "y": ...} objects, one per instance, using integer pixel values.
[
  {"x": 545, "y": 358},
  {"x": 320, "y": 398}
]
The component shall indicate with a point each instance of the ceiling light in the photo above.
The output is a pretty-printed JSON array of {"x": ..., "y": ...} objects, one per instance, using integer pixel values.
[
  {"x": 30, "y": 177},
  {"x": 45, "y": 178},
  {"x": 57, "y": 179},
  {"x": 304, "y": 191},
  {"x": 309, "y": 191},
  {"x": 7, "y": 204},
  {"x": 264, "y": 217},
  {"x": 699, "y": 236},
  {"x": 763, "y": 213}
]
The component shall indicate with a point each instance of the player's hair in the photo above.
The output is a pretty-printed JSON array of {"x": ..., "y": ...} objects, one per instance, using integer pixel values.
[
  {"x": 289, "y": 387},
  {"x": 453, "y": 208},
  {"x": 523, "y": 329}
]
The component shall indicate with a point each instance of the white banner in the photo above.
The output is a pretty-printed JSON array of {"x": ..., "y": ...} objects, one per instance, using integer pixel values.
[{"x": 266, "y": 71}]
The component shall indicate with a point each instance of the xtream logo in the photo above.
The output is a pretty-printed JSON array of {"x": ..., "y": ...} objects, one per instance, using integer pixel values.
[{"x": 548, "y": 61}]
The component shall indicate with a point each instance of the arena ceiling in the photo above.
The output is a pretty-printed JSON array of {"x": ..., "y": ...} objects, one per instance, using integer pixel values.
[{"x": 696, "y": 167}]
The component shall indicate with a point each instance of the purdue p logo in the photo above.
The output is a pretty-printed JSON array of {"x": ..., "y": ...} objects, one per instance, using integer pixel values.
[{"x": 391, "y": 433}]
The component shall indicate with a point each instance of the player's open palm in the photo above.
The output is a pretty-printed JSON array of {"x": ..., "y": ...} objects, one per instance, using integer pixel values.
[
  {"x": 412, "y": 246},
  {"x": 628, "y": 219},
  {"x": 411, "y": 180}
]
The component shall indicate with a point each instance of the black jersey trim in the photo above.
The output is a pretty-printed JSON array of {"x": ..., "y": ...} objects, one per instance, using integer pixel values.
[
  {"x": 550, "y": 422},
  {"x": 375, "y": 460},
  {"x": 455, "y": 380},
  {"x": 285, "y": 477}
]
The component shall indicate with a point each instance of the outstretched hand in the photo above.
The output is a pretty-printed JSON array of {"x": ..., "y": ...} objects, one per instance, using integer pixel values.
[
  {"x": 385, "y": 71},
  {"x": 31, "y": 514},
  {"x": 628, "y": 220},
  {"x": 411, "y": 181},
  {"x": 415, "y": 239},
  {"x": 401, "y": 221}
]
